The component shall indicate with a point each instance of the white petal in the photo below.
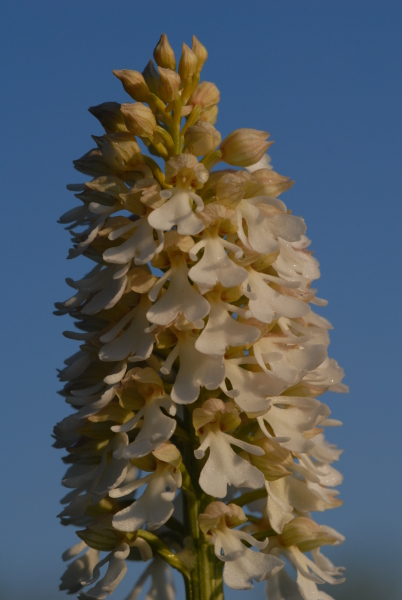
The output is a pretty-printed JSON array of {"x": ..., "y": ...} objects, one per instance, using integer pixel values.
[
  {"x": 157, "y": 428},
  {"x": 180, "y": 297},
  {"x": 195, "y": 370},
  {"x": 254, "y": 389},
  {"x": 176, "y": 211},
  {"x": 135, "y": 342},
  {"x": 282, "y": 587},
  {"x": 223, "y": 331},
  {"x": 215, "y": 266},
  {"x": 224, "y": 467}
]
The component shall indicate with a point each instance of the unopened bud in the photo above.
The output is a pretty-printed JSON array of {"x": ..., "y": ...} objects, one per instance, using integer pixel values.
[
  {"x": 140, "y": 119},
  {"x": 120, "y": 150},
  {"x": 267, "y": 182},
  {"x": 134, "y": 84},
  {"x": 216, "y": 512},
  {"x": 202, "y": 138},
  {"x": 164, "y": 55},
  {"x": 205, "y": 95},
  {"x": 209, "y": 115},
  {"x": 104, "y": 540},
  {"x": 110, "y": 116},
  {"x": 188, "y": 63},
  {"x": 201, "y": 53},
  {"x": 169, "y": 84},
  {"x": 305, "y": 534},
  {"x": 151, "y": 76},
  {"x": 92, "y": 163},
  {"x": 244, "y": 147}
]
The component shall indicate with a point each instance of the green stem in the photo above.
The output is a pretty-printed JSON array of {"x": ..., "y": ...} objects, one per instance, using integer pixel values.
[
  {"x": 164, "y": 551},
  {"x": 156, "y": 171},
  {"x": 206, "y": 576},
  {"x": 175, "y": 130},
  {"x": 211, "y": 159},
  {"x": 250, "y": 497},
  {"x": 166, "y": 138}
]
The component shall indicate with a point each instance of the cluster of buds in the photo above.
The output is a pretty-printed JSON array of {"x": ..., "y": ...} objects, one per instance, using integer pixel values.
[{"x": 197, "y": 438}]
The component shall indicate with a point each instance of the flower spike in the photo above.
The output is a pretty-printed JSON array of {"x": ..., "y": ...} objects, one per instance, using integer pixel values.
[{"x": 196, "y": 440}]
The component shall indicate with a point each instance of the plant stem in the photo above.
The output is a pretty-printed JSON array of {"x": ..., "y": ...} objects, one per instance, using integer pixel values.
[{"x": 206, "y": 576}]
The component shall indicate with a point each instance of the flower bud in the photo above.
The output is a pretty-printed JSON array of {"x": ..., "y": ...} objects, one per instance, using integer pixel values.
[
  {"x": 134, "y": 84},
  {"x": 231, "y": 514},
  {"x": 244, "y": 147},
  {"x": 120, "y": 150},
  {"x": 139, "y": 119},
  {"x": 169, "y": 84},
  {"x": 305, "y": 534},
  {"x": 104, "y": 540},
  {"x": 164, "y": 55},
  {"x": 188, "y": 63},
  {"x": 110, "y": 116},
  {"x": 266, "y": 182},
  {"x": 151, "y": 77},
  {"x": 201, "y": 53},
  {"x": 209, "y": 115},
  {"x": 185, "y": 167},
  {"x": 202, "y": 138},
  {"x": 205, "y": 95}
]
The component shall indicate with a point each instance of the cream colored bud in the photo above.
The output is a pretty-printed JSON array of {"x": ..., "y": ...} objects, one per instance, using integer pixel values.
[
  {"x": 134, "y": 84},
  {"x": 267, "y": 182},
  {"x": 100, "y": 535},
  {"x": 110, "y": 116},
  {"x": 169, "y": 84},
  {"x": 186, "y": 168},
  {"x": 164, "y": 55},
  {"x": 305, "y": 534},
  {"x": 201, "y": 53},
  {"x": 168, "y": 453},
  {"x": 244, "y": 147},
  {"x": 205, "y": 95},
  {"x": 216, "y": 512},
  {"x": 140, "y": 119},
  {"x": 120, "y": 150},
  {"x": 209, "y": 115},
  {"x": 151, "y": 76},
  {"x": 188, "y": 63},
  {"x": 202, "y": 138}
]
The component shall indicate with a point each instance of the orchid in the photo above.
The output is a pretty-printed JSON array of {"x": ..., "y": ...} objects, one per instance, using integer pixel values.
[{"x": 197, "y": 438}]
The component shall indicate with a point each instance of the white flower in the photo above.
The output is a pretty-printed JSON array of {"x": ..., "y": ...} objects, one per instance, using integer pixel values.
[
  {"x": 155, "y": 506},
  {"x": 252, "y": 391},
  {"x": 180, "y": 297},
  {"x": 196, "y": 369},
  {"x": 156, "y": 428},
  {"x": 215, "y": 266},
  {"x": 222, "y": 330},
  {"x": 266, "y": 304},
  {"x": 291, "y": 417},
  {"x": 140, "y": 246},
  {"x": 80, "y": 569},
  {"x": 223, "y": 466},
  {"x": 242, "y": 565},
  {"x": 267, "y": 221},
  {"x": 115, "y": 572},
  {"x": 177, "y": 210},
  {"x": 135, "y": 343}
]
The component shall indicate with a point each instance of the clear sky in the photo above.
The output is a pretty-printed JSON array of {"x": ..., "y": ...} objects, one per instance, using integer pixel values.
[{"x": 324, "y": 79}]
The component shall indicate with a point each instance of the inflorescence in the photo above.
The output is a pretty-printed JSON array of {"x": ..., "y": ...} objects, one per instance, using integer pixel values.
[{"x": 197, "y": 439}]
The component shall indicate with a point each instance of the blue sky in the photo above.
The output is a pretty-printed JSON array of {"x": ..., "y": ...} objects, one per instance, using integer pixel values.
[{"x": 324, "y": 79}]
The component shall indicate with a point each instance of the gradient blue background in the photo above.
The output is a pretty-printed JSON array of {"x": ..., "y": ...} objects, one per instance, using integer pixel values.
[{"x": 324, "y": 78}]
